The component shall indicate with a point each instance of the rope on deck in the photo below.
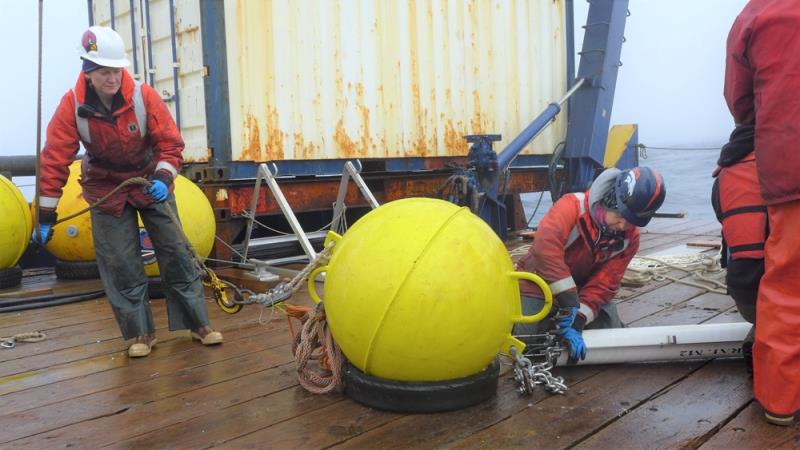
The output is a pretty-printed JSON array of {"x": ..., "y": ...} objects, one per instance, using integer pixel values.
[
  {"x": 319, "y": 360},
  {"x": 703, "y": 269},
  {"x": 11, "y": 342}
]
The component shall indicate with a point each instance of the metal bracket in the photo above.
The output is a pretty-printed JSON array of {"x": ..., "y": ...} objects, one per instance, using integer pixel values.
[
  {"x": 265, "y": 173},
  {"x": 349, "y": 171}
]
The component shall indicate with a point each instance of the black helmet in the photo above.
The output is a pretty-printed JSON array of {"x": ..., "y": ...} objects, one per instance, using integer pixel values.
[{"x": 639, "y": 193}]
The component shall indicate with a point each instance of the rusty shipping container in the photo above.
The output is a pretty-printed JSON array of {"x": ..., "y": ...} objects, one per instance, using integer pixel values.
[{"x": 337, "y": 79}]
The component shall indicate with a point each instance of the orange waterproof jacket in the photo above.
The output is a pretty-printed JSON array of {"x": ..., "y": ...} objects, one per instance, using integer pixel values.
[
  {"x": 570, "y": 253},
  {"x": 117, "y": 150}
]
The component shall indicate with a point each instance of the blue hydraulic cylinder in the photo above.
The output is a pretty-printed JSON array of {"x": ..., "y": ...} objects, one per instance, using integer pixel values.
[{"x": 514, "y": 147}]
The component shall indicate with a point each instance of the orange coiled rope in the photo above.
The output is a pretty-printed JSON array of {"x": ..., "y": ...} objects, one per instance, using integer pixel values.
[{"x": 319, "y": 360}]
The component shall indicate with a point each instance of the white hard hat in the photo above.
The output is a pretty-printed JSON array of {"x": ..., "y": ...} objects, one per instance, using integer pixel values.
[{"x": 104, "y": 47}]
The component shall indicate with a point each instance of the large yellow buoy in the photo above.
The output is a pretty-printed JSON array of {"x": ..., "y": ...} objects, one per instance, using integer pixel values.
[
  {"x": 15, "y": 224},
  {"x": 72, "y": 240},
  {"x": 197, "y": 218},
  {"x": 422, "y": 290}
]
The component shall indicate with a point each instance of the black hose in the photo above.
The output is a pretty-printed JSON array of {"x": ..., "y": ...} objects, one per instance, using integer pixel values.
[
  {"x": 60, "y": 300},
  {"x": 556, "y": 187}
]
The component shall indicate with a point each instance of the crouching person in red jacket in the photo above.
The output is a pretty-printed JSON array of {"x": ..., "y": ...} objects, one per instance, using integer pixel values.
[
  {"x": 582, "y": 247},
  {"x": 128, "y": 132}
]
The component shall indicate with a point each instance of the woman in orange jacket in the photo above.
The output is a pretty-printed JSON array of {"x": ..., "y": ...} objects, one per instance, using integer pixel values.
[
  {"x": 582, "y": 247},
  {"x": 128, "y": 132}
]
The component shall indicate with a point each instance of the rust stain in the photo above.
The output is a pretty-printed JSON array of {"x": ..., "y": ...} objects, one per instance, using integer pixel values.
[
  {"x": 190, "y": 33},
  {"x": 476, "y": 123},
  {"x": 347, "y": 148},
  {"x": 303, "y": 150},
  {"x": 252, "y": 136},
  {"x": 366, "y": 139},
  {"x": 274, "y": 150},
  {"x": 454, "y": 142},
  {"x": 418, "y": 144}
]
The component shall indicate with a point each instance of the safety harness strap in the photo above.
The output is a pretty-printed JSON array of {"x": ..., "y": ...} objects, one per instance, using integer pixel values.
[
  {"x": 138, "y": 108},
  {"x": 745, "y": 210}
]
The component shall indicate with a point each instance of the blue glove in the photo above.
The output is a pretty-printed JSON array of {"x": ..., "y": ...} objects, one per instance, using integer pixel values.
[
  {"x": 44, "y": 235},
  {"x": 158, "y": 191},
  {"x": 574, "y": 339},
  {"x": 567, "y": 303},
  {"x": 565, "y": 317}
]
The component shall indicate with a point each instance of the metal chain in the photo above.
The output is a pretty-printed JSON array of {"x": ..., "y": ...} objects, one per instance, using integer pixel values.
[
  {"x": 529, "y": 375},
  {"x": 285, "y": 289}
]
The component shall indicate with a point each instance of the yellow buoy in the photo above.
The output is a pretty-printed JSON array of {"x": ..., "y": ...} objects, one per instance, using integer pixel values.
[
  {"x": 72, "y": 240},
  {"x": 15, "y": 224},
  {"x": 422, "y": 290},
  {"x": 197, "y": 218}
]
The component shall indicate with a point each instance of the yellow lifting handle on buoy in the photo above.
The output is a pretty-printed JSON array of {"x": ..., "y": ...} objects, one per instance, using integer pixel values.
[
  {"x": 548, "y": 297},
  {"x": 312, "y": 287},
  {"x": 513, "y": 342}
]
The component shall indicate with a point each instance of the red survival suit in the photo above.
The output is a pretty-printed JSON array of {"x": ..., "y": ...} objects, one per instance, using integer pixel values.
[
  {"x": 570, "y": 253},
  {"x": 117, "y": 150},
  {"x": 762, "y": 87}
]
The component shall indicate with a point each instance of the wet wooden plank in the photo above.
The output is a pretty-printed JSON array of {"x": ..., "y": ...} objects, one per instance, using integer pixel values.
[
  {"x": 562, "y": 421},
  {"x": 435, "y": 430},
  {"x": 749, "y": 430},
  {"x": 698, "y": 309},
  {"x": 319, "y": 428},
  {"x": 29, "y": 360},
  {"x": 683, "y": 415},
  {"x": 111, "y": 371},
  {"x": 79, "y": 310},
  {"x": 66, "y": 337},
  {"x": 149, "y": 405},
  {"x": 655, "y": 301},
  {"x": 219, "y": 426},
  {"x": 27, "y": 372}
]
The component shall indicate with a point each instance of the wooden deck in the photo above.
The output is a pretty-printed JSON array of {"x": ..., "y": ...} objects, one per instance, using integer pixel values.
[{"x": 78, "y": 389}]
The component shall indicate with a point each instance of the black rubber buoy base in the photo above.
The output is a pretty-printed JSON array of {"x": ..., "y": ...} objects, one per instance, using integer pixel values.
[
  {"x": 10, "y": 277},
  {"x": 421, "y": 397},
  {"x": 76, "y": 270}
]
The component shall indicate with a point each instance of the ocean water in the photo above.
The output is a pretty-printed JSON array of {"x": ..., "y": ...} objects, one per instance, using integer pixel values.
[{"x": 687, "y": 175}]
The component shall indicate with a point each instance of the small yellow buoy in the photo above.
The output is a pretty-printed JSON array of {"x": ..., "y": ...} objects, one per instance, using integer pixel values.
[
  {"x": 15, "y": 224},
  {"x": 422, "y": 290},
  {"x": 72, "y": 240}
]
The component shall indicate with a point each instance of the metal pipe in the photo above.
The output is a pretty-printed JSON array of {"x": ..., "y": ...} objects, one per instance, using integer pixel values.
[
  {"x": 133, "y": 38},
  {"x": 664, "y": 343},
  {"x": 113, "y": 14},
  {"x": 173, "y": 34},
  {"x": 37, "y": 191},
  {"x": 531, "y": 131},
  {"x": 18, "y": 166},
  {"x": 569, "y": 19},
  {"x": 91, "y": 12},
  {"x": 150, "y": 70}
]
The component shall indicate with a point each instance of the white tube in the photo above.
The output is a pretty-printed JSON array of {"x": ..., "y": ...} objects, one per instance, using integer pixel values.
[{"x": 664, "y": 343}]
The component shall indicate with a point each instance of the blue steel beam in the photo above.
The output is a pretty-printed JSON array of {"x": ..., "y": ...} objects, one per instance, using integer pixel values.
[
  {"x": 215, "y": 59},
  {"x": 590, "y": 108}
]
